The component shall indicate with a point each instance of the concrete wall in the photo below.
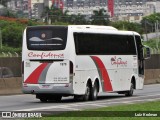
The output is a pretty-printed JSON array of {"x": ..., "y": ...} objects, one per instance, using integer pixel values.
[
  {"x": 153, "y": 62},
  {"x": 152, "y": 76},
  {"x": 10, "y": 85},
  {"x": 14, "y": 63}
]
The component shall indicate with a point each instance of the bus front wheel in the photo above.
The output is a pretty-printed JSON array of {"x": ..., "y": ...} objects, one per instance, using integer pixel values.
[{"x": 130, "y": 92}]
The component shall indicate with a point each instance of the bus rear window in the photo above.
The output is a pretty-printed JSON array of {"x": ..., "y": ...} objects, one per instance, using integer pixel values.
[{"x": 46, "y": 38}]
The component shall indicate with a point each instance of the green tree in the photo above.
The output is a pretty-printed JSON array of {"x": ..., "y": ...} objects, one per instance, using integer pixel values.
[
  {"x": 45, "y": 14},
  {"x": 53, "y": 14},
  {"x": 4, "y": 2},
  {"x": 152, "y": 18},
  {"x": 100, "y": 17},
  {"x": 65, "y": 17},
  {"x": 12, "y": 34},
  {"x": 148, "y": 22},
  {"x": 9, "y": 13},
  {"x": 77, "y": 19},
  {"x": 125, "y": 25}
]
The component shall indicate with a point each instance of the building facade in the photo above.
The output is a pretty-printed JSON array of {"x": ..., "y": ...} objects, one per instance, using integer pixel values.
[
  {"x": 84, "y": 7},
  {"x": 15, "y": 5},
  {"x": 152, "y": 6},
  {"x": 134, "y": 10},
  {"x": 36, "y": 7},
  {"x": 129, "y": 10}
]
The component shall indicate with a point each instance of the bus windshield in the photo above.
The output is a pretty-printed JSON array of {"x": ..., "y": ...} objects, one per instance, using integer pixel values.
[{"x": 46, "y": 38}]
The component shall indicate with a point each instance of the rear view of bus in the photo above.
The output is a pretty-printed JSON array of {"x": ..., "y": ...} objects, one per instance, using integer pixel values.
[{"x": 46, "y": 69}]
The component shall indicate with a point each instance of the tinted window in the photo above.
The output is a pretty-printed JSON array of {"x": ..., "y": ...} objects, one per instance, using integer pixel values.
[
  {"x": 139, "y": 47},
  {"x": 46, "y": 38},
  {"x": 100, "y": 44}
]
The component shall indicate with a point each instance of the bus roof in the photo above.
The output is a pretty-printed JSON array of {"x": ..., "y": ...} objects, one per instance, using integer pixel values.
[
  {"x": 110, "y": 29},
  {"x": 93, "y": 27}
]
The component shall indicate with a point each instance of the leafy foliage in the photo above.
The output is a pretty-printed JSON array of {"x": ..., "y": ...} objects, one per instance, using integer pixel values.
[
  {"x": 152, "y": 43},
  {"x": 148, "y": 22},
  {"x": 151, "y": 18},
  {"x": 124, "y": 25},
  {"x": 7, "y": 49},
  {"x": 100, "y": 17},
  {"x": 12, "y": 28},
  {"x": 12, "y": 35}
]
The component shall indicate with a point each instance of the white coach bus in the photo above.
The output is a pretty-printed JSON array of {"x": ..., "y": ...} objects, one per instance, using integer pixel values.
[{"x": 81, "y": 61}]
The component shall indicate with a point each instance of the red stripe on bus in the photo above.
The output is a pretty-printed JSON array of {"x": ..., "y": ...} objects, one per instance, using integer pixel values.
[
  {"x": 104, "y": 73},
  {"x": 34, "y": 76}
]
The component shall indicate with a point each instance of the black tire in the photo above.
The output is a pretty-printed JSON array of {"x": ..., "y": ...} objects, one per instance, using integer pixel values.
[
  {"x": 57, "y": 98},
  {"x": 86, "y": 96},
  {"x": 78, "y": 97},
  {"x": 130, "y": 92},
  {"x": 94, "y": 92},
  {"x": 43, "y": 99}
]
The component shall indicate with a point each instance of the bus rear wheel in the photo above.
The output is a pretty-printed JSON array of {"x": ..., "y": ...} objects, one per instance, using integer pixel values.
[
  {"x": 94, "y": 92},
  {"x": 43, "y": 99},
  {"x": 87, "y": 93},
  {"x": 57, "y": 98}
]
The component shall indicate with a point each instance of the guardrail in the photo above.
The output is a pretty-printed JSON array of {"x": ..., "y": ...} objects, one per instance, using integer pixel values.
[
  {"x": 155, "y": 51},
  {"x": 10, "y": 54}
]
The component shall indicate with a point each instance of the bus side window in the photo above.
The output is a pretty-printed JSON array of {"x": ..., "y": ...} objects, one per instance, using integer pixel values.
[{"x": 140, "y": 55}]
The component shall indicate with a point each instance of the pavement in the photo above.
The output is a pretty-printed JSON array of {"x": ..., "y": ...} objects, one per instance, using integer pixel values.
[{"x": 26, "y": 102}]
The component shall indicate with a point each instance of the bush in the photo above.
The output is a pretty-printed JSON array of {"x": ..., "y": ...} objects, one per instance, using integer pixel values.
[
  {"x": 124, "y": 25},
  {"x": 10, "y": 49},
  {"x": 152, "y": 43},
  {"x": 12, "y": 35}
]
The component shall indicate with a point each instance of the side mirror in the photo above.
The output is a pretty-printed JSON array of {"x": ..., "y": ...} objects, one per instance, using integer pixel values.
[{"x": 147, "y": 52}]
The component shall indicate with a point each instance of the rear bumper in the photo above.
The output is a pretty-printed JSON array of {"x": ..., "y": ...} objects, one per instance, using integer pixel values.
[{"x": 63, "y": 89}]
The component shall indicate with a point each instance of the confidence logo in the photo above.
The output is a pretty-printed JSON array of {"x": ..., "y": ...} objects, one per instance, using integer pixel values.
[{"x": 118, "y": 62}]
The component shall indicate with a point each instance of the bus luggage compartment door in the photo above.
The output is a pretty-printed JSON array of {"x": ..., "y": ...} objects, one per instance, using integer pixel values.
[{"x": 41, "y": 72}]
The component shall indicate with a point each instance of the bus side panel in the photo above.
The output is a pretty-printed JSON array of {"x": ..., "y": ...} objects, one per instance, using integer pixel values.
[
  {"x": 118, "y": 68},
  {"x": 125, "y": 78},
  {"x": 85, "y": 70}
]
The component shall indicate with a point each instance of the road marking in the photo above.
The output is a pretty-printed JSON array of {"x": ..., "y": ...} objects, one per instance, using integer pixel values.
[
  {"x": 98, "y": 103},
  {"x": 68, "y": 108}
]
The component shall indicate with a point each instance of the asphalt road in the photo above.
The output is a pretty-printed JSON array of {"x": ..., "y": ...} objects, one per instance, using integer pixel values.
[{"x": 27, "y": 102}]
